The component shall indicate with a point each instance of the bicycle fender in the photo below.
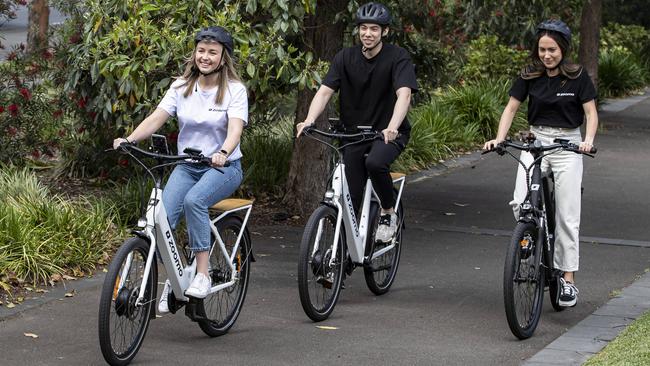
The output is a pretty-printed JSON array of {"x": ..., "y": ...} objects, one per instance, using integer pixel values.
[{"x": 142, "y": 235}]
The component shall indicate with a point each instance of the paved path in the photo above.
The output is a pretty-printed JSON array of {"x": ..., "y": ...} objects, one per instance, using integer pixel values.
[{"x": 446, "y": 305}]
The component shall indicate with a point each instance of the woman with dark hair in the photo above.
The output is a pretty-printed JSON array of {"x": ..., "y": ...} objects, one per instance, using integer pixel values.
[
  {"x": 211, "y": 106},
  {"x": 561, "y": 96}
]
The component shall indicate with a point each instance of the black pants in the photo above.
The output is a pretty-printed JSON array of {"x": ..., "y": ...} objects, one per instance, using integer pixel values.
[{"x": 376, "y": 166}]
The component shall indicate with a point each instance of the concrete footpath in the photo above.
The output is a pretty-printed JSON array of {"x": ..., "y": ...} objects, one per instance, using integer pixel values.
[{"x": 446, "y": 305}]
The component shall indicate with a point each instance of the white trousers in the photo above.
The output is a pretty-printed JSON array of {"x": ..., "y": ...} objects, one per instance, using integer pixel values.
[{"x": 567, "y": 171}]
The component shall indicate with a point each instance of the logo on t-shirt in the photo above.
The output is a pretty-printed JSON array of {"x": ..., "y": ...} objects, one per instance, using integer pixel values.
[
  {"x": 216, "y": 110},
  {"x": 566, "y": 94}
]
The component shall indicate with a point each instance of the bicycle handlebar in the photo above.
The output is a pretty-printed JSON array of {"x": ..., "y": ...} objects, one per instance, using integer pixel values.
[
  {"x": 559, "y": 144},
  {"x": 361, "y": 134},
  {"x": 193, "y": 155}
]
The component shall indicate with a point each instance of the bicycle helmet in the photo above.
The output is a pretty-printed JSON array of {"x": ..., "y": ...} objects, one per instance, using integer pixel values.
[
  {"x": 218, "y": 34},
  {"x": 374, "y": 13},
  {"x": 556, "y": 26}
]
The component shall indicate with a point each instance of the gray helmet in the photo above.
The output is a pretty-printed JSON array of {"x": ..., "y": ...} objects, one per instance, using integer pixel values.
[
  {"x": 374, "y": 13},
  {"x": 555, "y": 26},
  {"x": 218, "y": 34}
]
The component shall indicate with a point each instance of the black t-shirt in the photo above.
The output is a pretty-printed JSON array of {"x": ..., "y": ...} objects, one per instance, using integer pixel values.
[
  {"x": 555, "y": 101},
  {"x": 367, "y": 86}
]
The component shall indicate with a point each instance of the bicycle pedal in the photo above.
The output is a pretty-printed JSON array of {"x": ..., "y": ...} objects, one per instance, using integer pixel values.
[
  {"x": 325, "y": 282},
  {"x": 194, "y": 310}
]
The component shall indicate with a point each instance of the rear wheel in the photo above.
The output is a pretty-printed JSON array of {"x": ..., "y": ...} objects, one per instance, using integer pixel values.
[
  {"x": 123, "y": 322},
  {"x": 320, "y": 270},
  {"x": 523, "y": 286},
  {"x": 380, "y": 271},
  {"x": 222, "y": 308}
]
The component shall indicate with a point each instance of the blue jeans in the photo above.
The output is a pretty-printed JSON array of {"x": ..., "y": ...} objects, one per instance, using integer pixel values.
[{"x": 193, "y": 188}]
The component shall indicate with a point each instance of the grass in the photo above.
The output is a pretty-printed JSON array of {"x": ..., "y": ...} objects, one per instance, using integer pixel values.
[
  {"x": 631, "y": 347},
  {"x": 42, "y": 234},
  {"x": 620, "y": 73}
]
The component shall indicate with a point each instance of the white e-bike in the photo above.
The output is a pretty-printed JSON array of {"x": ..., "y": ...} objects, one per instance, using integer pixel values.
[
  {"x": 128, "y": 296},
  {"x": 334, "y": 242}
]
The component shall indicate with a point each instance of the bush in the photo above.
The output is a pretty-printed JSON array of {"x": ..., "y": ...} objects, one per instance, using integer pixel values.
[
  {"x": 634, "y": 38},
  {"x": 43, "y": 234},
  {"x": 620, "y": 72},
  {"x": 32, "y": 119},
  {"x": 267, "y": 154},
  {"x": 456, "y": 119},
  {"x": 487, "y": 58}
]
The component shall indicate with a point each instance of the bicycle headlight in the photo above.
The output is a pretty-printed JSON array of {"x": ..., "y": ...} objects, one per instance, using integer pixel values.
[
  {"x": 142, "y": 222},
  {"x": 329, "y": 194}
]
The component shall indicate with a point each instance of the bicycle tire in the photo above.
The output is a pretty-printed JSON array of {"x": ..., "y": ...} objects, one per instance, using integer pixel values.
[
  {"x": 381, "y": 272},
  {"x": 117, "y": 310},
  {"x": 523, "y": 289},
  {"x": 554, "y": 289},
  {"x": 319, "y": 284},
  {"x": 223, "y": 307}
]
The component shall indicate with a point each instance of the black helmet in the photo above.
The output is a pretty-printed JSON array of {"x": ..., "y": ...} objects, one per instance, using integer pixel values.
[
  {"x": 556, "y": 26},
  {"x": 218, "y": 34},
  {"x": 374, "y": 13}
]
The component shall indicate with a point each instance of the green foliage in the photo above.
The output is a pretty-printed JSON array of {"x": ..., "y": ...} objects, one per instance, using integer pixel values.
[
  {"x": 634, "y": 38},
  {"x": 122, "y": 55},
  {"x": 130, "y": 198},
  {"x": 456, "y": 119},
  {"x": 267, "y": 153},
  {"x": 620, "y": 72},
  {"x": 487, "y": 58},
  {"x": 42, "y": 234},
  {"x": 32, "y": 118}
]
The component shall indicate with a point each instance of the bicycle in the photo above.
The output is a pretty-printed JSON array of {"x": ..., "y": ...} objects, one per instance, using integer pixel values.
[
  {"x": 528, "y": 267},
  {"x": 128, "y": 296},
  {"x": 334, "y": 241}
]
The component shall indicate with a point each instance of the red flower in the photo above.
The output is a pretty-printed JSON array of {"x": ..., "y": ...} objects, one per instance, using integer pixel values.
[
  {"x": 22, "y": 2},
  {"x": 498, "y": 13},
  {"x": 13, "y": 109},
  {"x": 58, "y": 113},
  {"x": 172, "y": 137},
  {"x": 81, "y": 129},
  {"x": 62, "y": 132},
  {"x": 11, "y": 56},
  {"x": 47, "y": 54},
  {"x": 36, "y": 154},
  {"x": 123, "y": 162},
  {"x": 2, "y": 109},
  {"x": 432, "y": 13},
  {"x": 12, "y": 131},
  {"x": 81, "y": 103},
  {"x": 75, "y": 38},
  {"x": 25, "y": 93}
]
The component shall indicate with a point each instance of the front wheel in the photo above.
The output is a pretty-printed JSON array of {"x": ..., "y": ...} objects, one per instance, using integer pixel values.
[
  {"x": 222, "y": 308},
  {"x": 380, "y": 271},
  {"x": 320, "y": 270},
  {"x": 523, "y": 286},
  {"x": 123, "y": 321}
]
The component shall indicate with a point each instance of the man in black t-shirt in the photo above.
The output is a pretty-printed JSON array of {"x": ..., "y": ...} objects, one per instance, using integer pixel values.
[{"x": 375, "y": 81}]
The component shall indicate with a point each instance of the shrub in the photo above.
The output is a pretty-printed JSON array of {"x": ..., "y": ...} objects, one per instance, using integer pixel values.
[
  {"x": 487, "y": 58},
  {"x": 42, "y": 234},
  {"x": 32, "y": 119},
  {"x": 620, "y": 72},
  {"x": 267, "y": 153},
  {"x": 634, "y": 38}
]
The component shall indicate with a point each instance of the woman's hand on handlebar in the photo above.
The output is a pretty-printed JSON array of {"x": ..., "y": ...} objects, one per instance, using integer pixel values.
[
  {"x": 118, "y": 141},
  {"x": 219, "y": 160},
  {"x": 492, "y": 144},
  {"x": 301, "y": 126},
  {"x": 389, "y": 135},
  {"x": 586, "y": 146}
]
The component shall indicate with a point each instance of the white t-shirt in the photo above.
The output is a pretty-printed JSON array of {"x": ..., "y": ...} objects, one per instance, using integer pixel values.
[{"x": 202, "y": 123}]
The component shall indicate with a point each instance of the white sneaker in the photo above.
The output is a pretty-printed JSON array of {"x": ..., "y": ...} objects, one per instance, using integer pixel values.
[
  {"x": 387, "y": 227},
  {"x": 163, "y": 307},
  {"x": 200, "y": 286}
]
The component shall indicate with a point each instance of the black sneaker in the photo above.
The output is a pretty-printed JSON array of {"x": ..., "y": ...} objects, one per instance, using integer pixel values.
[{"x": 569, "y": 294}]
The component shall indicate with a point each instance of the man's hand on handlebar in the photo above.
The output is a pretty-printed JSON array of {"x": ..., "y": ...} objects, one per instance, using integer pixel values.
[
  {"x": 301, "y": 126},
  {"x": 492, "y": 144},
  {"x": 586, "y": 147},
  {"x": 118, "y": 141},
  {"x": 389, "y": 135}
]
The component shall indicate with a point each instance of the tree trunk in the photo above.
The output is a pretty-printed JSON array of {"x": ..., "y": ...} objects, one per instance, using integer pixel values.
[
  {"x": 590, "y": 37},
  {"x": 38, "y": 20},
  {"x": 310, "y": 161}
]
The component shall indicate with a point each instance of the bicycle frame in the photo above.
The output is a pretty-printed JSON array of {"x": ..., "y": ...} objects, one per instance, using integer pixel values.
[{"x": 355, "y": 233}]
